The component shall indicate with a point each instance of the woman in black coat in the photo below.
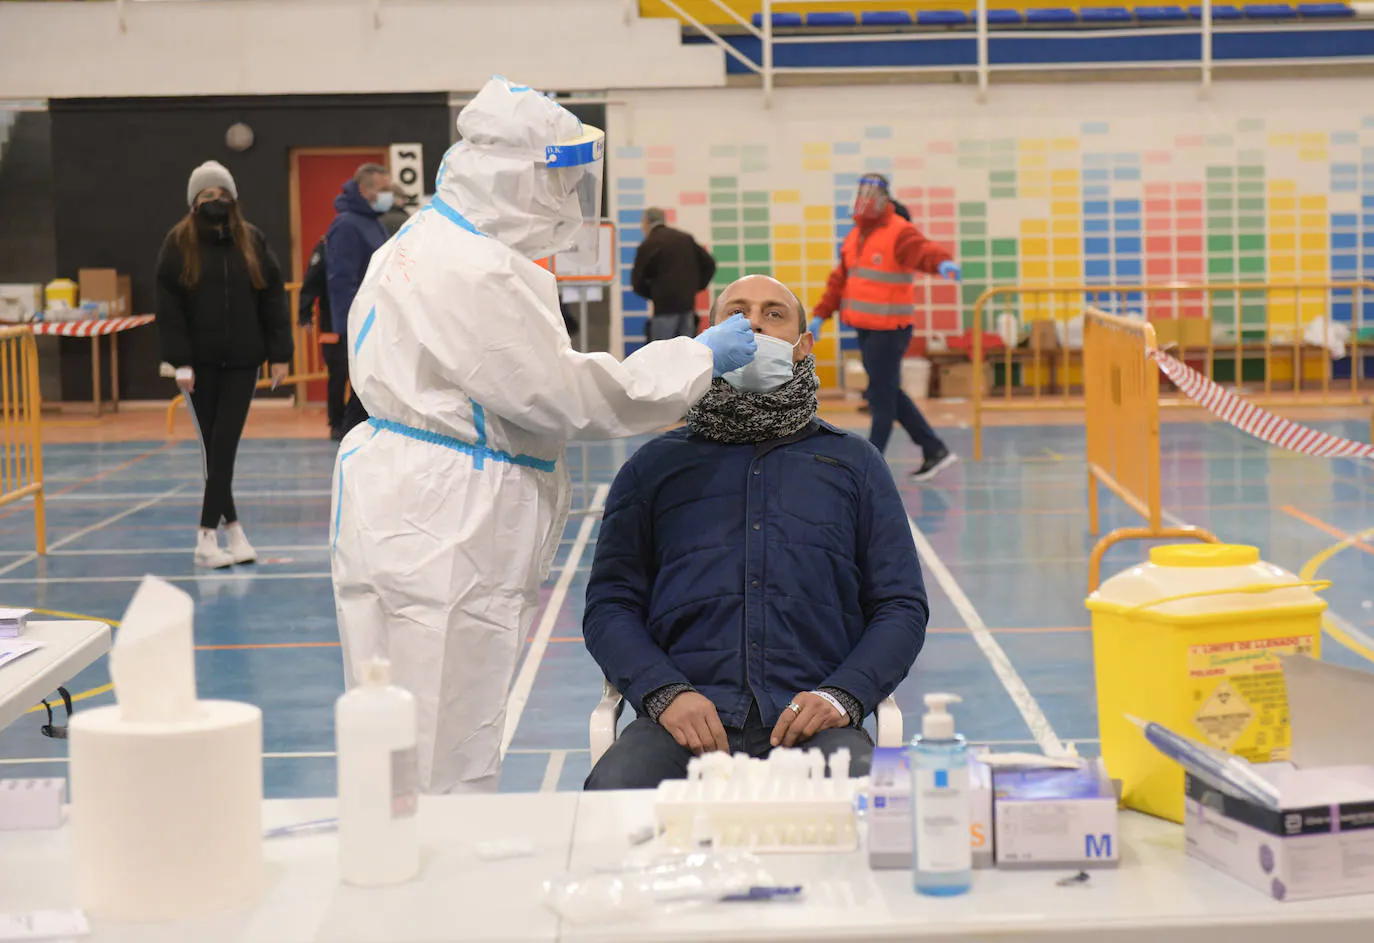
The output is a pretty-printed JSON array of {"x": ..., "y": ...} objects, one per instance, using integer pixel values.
[{"x": 221, "y": 313}]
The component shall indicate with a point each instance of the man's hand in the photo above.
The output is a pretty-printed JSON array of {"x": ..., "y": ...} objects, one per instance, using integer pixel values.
[
  {"x": 186, "y": 379},
  {"x": 816, "y": 714},
  {"x": 280, "y": 371},
  {"x": 692, "y": 720}
]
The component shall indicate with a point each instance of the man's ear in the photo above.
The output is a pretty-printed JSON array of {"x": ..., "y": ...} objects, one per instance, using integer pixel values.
[{"x": 803, "y": 348}]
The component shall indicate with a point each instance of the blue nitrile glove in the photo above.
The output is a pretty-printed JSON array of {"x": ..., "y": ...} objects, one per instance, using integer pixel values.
[
  {"x": 951, "y": 271},
  {"x": 732, "y": 343},
  {"x": 814, "y": 326}
]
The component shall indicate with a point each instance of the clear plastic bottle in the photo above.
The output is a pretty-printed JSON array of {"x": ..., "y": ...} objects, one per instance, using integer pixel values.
[
  {"x": 942, "y": 851},
  {"x": 375, "y": 729}
]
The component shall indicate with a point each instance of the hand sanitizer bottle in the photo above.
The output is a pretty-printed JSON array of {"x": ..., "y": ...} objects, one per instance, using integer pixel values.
[
  {"x": 375, "y": 728},
  {"x": 942, "y": 863}
]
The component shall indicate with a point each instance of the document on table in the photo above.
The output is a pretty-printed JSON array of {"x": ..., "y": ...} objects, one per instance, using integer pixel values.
[
  {"x": 13, "y": 648},
  {"x": 55, "y": 925}
]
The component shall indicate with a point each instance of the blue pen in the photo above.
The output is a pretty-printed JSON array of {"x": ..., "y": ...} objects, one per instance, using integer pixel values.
[{"x": 764, "y": 892}]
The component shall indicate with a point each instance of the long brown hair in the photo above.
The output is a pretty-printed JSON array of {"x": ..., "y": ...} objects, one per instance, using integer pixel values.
[{"x": 187, "y": 236}]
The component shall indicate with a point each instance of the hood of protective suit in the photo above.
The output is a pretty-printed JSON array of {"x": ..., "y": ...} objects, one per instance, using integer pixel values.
[{"x": 496, "y": 178}]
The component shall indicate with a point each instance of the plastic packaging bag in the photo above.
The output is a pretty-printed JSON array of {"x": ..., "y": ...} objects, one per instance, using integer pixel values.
[{"x": 660, "y": 884}]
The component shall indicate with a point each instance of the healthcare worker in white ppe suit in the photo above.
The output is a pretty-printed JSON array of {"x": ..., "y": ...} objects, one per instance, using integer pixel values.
[{"x": 450, "y": 501}]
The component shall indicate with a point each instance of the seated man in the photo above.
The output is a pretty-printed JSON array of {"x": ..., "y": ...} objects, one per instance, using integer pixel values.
[{"x": 755, "y": 582}]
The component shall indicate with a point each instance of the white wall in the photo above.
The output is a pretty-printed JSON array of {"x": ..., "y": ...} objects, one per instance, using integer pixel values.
[{"x": 262, "y": 47}]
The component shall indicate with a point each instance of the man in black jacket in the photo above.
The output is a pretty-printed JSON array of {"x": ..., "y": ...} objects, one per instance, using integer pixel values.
[
  {"x": 670, "y": 269},
  {"x": 314, "y": 287}
]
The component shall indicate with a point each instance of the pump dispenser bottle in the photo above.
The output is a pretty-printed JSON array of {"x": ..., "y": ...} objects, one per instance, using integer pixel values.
[
  {"x": 942, "y": 862},
  {"x": 375, "y": 726}
]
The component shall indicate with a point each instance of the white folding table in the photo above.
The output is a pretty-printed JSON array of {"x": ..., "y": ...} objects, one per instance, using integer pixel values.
[
  {"x": 1157, "y": 894},
  {"x": 68, "y": 648}
]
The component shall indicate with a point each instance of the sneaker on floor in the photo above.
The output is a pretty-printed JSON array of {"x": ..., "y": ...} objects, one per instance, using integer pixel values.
[
  {"x": 209, "y": 554},
  {"x": 240, "y": 550},
  {"x": 933, "y": 465}
]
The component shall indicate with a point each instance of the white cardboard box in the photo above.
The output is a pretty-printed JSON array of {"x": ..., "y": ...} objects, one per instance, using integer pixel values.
[
  {"x": 889, "y": 810},
  {"x": 1320, "y": 843},
  {"x": 20, "y": 304},
  {"x": 1048, "y": 818}
]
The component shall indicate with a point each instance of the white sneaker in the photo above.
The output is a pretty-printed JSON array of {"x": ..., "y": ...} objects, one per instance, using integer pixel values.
[
  {"x": 208, "y": 551},
  {"x": 240, "y": 550}
]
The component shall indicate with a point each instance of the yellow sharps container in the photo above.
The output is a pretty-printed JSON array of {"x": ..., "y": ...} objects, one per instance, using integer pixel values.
[{"x": 1191, "y": 640}]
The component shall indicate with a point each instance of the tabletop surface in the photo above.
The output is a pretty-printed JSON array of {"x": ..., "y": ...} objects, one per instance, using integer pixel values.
[
  {"x": 69, "y": 647},
  {"x": 1157, "y": 893}
]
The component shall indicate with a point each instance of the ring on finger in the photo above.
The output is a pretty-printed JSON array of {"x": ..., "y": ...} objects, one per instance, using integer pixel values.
[{"x": 794, "y": 707}]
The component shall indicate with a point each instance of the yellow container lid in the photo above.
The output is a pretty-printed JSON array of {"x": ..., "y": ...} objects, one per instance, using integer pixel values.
[
  {"x": 1204, "y": 555},
  {"x": 1191, "y": 583}
]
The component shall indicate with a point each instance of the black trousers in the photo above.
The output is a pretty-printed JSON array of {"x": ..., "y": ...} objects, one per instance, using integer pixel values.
[
  {"x": 882, "y": 353},
  {"x": 336, "y": 361},
  {"x": 220, "y": 403}
]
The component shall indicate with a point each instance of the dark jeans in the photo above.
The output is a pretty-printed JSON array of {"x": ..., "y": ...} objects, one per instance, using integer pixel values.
[
  {"x": 336, "y": 360},
  {"x": 645, "y": 754},
  {"x": 220, "y": 404},
  {"x": 664, "y": 327},
  {"x": 882, "y": 353}
]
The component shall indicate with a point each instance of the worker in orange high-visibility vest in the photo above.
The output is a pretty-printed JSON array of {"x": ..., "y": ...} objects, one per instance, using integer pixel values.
[{"x": 872, "y": 288}]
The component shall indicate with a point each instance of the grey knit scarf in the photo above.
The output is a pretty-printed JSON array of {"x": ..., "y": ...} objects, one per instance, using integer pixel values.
[{"x": 733, "y": 417}]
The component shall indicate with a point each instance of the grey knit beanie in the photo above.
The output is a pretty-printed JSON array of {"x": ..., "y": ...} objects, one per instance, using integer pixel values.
[{"x": 210, "y": 174}]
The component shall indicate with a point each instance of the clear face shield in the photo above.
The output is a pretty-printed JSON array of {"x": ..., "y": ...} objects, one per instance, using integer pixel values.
[
  {"x": 579, "y": 165},
  {"x": 870, "y": 199}
]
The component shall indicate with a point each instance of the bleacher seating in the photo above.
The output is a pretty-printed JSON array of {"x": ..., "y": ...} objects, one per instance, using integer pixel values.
[
  {"x": 1161, "y": 14},
  {"x": 1145, "y": 15}
]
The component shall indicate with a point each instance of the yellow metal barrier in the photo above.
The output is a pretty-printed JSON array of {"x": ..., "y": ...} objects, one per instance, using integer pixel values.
[
  {"x": 1121, "y": 406},
  {"x": 1285, "y": 305},
  {"x": 307, "y": 365},
  {"x": 21, "y": 422}
]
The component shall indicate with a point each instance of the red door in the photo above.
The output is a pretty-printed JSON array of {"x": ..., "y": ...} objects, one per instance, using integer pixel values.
[{"x": 317, "y": 174}]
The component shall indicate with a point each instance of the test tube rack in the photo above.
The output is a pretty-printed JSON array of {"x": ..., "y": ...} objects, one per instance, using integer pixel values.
[{"x": 783, "y": 805}]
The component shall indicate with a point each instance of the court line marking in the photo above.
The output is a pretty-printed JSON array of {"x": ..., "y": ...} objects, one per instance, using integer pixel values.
[
  {"x": 105, "y": 496},
  {"x": 98, "y": 525},
  {"x": 553, "y": 771},
  {"x": 529, "y": 668},
  {"x": 1346, "y": 540},
  {"x": 208, "y": 576},
  {"x": 1338, "y": 628},
  {"x": 1015, "y": 687}
]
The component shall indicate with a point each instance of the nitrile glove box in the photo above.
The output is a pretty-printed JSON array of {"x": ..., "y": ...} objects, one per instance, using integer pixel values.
[
  {"x": 1053, "y": 818},
  {"x": 1319, "y": 844},
  {"x": 889, "y": 810},
  {"x": 1320, "y": 841}
]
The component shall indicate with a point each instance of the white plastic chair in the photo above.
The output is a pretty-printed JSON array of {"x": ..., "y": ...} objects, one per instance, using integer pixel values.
[{"x": 605, "y": 722}]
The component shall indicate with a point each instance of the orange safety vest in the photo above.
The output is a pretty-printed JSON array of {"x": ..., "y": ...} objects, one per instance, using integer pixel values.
[{"x": 879, "y": 295}]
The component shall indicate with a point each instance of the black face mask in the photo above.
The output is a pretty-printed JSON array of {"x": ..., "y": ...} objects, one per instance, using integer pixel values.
[{"x": 215, "y": 212}]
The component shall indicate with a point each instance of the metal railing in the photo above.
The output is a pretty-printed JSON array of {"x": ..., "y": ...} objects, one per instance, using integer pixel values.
[
  {"x": 1121, "y": 407},
  {"x": 307, "y": 364},
  {"x": 1058, "y": 304},
  {"x": 21, "y": 427},
  {"x": 983, "y": 64}
]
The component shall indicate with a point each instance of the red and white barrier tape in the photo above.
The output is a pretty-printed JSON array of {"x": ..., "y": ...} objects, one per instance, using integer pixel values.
[{"x": 1249, "y": 418}]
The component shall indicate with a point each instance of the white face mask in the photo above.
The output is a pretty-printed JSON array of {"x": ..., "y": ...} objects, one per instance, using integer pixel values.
[
  {"x": 770, "y": 368},
  {"x": 385, "y": 201}
]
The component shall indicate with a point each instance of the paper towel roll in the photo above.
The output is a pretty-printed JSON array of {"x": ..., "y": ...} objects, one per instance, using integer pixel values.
[{"x": 167, "y": 817}]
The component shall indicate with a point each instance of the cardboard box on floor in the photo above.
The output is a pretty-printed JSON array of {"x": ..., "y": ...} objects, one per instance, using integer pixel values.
[
  {"x": 956, "y": 380},
  {"x": 1044, "y": 335},
  {"x": 1320, "y": 843}
]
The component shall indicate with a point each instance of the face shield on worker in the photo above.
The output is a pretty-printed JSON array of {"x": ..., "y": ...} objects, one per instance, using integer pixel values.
[
  {"x": 511, "y": 184},
  {"x": 871, "y": 199}
]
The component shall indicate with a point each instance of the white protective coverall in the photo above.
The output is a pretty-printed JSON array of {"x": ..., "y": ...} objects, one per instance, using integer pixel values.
[{"x": 450, "y": 502}]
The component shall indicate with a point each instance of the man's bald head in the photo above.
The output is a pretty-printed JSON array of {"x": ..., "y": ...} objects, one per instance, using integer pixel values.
[
  {"x": 771, "y": 307},
  {"x": 762, "y": 287}
]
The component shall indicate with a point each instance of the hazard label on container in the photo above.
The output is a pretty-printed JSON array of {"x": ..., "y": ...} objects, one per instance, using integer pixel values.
[
  {"x": 1224, "y": 716},
  {"x": 1240, "y": 696}
]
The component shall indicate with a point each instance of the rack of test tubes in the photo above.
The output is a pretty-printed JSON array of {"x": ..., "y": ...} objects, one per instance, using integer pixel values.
[{"x": 783, "y": 804}]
